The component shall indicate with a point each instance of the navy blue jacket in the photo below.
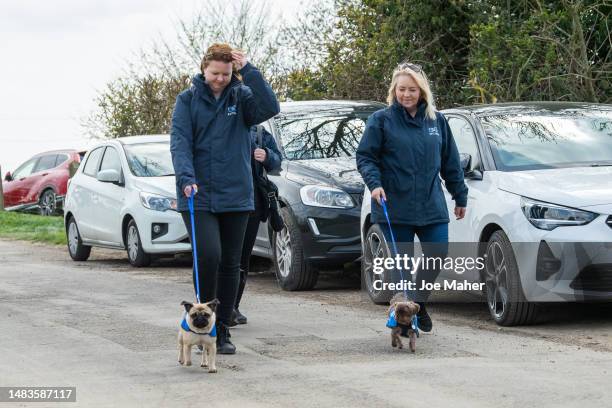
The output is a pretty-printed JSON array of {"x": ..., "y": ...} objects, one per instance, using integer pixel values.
[
  {"x": 406, "y": 157},
  {"x": 272, "y": 163},
  {"x": 210, "y": 142}
]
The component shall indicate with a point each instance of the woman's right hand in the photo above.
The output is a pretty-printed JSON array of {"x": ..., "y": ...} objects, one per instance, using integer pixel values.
[
  {"x": 377, "y": 193},
  {"x": 188, "y": 189}
]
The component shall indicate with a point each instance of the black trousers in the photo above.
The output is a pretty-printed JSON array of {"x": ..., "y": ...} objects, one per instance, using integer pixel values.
[
  {"x": 247, "y": 248},
  {"x": 219, "y": 239}
]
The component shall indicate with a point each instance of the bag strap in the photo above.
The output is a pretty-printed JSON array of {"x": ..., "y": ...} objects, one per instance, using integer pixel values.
[
  {"x": 259, "y": 135},
  {"x": 259, "y": 142}
]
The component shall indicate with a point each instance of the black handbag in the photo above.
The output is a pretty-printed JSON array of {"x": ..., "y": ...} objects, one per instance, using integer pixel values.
[{"x": 269, "y": 190}]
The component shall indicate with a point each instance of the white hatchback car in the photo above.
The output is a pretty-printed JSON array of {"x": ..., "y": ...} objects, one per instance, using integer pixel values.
[
  {"x": 540, "y": 205},
  {"x": 123, "y": 197}
]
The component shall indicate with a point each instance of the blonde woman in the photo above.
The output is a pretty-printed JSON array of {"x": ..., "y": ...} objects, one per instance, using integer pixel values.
[{"x": 404, "y": 151}]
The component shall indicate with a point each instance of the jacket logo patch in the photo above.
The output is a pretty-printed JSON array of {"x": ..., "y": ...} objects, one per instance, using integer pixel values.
[
  {"x": 231, "y": 110},
  {"x": 433, "y": 131}
]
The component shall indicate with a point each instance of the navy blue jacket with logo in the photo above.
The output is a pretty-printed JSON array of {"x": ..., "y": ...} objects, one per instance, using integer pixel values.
[
  {"x": 210, "y": 141},
  {"x": 406, "y": 157}
]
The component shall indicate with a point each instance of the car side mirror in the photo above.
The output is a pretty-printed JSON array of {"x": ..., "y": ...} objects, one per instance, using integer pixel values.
[
  {"x": 109, "y": 176},
  {"x": 466, "y": 165},
  {"x": 8, "y": 177}
]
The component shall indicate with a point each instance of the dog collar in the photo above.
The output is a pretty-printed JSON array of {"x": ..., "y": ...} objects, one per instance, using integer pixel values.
[{"x": 185, "y": 326}]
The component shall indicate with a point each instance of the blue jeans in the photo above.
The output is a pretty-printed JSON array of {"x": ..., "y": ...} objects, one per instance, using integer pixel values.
[{"x": 434, "y": 243}]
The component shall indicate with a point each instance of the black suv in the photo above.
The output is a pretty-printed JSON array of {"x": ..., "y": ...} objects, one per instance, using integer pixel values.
[{"x": 319, "y": 187}]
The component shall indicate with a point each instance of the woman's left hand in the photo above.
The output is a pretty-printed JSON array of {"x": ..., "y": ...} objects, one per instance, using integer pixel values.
[
  {"x": 459, "y": 212},
  {"x": 259, "y": 155},
  {"x": 239, "y": 59}
]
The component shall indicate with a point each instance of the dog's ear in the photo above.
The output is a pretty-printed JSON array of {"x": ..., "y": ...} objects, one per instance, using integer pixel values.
[
  {"x": 416, "y": 308},
  {"x": 187, "y": 305},
  {"x": 213, "y": 304}
]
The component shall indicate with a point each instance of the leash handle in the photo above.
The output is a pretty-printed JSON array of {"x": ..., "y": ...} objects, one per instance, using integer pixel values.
[{"x": 194, "y": 249}]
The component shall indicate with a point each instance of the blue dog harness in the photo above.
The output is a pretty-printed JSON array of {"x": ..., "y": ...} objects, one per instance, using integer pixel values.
[
  {"x": 185, "y": 326},
  {"x": 392, "y": 322}
]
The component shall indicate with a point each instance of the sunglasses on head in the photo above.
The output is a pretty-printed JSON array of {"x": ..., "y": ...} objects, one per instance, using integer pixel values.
[{"x": 414, "y": 67}]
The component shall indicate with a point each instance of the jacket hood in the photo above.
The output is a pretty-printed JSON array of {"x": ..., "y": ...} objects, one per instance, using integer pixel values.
[
  {"x": 337, "y": 171},
  {"x": 574, "y": 187}
]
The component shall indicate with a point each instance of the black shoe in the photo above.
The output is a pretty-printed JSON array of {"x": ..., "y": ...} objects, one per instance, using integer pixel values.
[
  {"x": 238, "y": 317},
  {"x": 224, "y": 344},
  {"x": 425, "y": 323}
]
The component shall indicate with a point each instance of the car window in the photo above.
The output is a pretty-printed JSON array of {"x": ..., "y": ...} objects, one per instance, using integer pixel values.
[
  {"x": 45, "y": 163},
  {"x": 91, "y": 166},
  {"x": 61, "y": 158},
  {"x": 150, "y": 159},
  {"x": 25, "y": 169},
  {"x": 111, "y": 160},
  {"x": 465, "y": 138},
  {"x": 550, "y": 139},
  {"x": 322, "y": 136}
]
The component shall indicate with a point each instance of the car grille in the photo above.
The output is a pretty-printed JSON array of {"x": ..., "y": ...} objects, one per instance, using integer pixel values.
[
  {"x": 595, "y": 278},
  {"x": 358, "y": 198},
  {"x": 609, "y": 221}
]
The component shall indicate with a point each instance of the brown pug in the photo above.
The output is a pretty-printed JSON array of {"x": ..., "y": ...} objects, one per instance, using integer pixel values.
[
  {"x": 404, "y": 310},
  {"x": 198, "y": 328}
]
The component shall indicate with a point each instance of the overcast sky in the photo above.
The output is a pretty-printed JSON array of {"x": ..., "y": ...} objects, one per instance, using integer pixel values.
[{"x": 57, "y": 53}]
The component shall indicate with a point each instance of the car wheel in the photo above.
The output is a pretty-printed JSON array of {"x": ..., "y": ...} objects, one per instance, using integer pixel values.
[
  {"x": 292, "y": 272},
  {"x": 46, "y": 203},
  {"x": 76, "y": 249},
  {"x": 375, "y": 246},
  {"x": 505, "y": 298},
  {"x": 136, "y": 254}
]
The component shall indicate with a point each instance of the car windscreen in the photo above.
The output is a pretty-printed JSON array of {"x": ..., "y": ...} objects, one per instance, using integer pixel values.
[
  {"x": 322, "y": 134},
  {"x": 550, "y": 139},
  {"x": 149, "y": 159}
]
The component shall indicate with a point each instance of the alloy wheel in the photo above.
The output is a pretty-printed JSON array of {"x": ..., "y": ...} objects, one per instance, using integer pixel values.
[
  {"x": 47, "y": 203},
  {"x": 73, "y": 238},
  {"x": 375, "y": 250},
  {"x": 133, "y": 242},
  {"x": 283, "y": 252},
  {"x": 496, "y": 280}
]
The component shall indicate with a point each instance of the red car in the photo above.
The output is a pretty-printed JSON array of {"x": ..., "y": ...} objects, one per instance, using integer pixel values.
[{"x": 40, "y": 183}]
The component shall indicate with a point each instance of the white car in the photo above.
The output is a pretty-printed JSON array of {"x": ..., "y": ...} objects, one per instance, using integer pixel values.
[
  {"x": 540, "y": 205},
  {"x": 123, "y": 197}
]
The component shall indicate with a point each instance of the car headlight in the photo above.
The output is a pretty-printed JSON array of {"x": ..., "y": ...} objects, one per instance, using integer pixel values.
[
  {"x": 157, "y": 202},
  {"x": 323, "y": 196},
  {"x": 548, "y": 216}
]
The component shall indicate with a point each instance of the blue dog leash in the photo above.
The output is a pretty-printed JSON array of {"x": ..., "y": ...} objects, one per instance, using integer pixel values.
[
  {"x": 193, "y": 244},
  {"x": 194, "y": 250},
  {"x": 392, "y": 322}
]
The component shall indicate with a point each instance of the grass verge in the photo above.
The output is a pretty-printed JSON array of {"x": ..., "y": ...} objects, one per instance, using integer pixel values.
[{"x": 35, "y": 228}]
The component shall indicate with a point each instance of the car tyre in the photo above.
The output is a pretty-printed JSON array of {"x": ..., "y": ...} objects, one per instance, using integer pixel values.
[
  {"x": 136, "y": 254},
  {"x": 505, "y": 297},
  {"x": 292, "y": 272},
  {"x": 76, "y": 249},
  {"x": 47, "y": 203},
  {"x": 375, "y": 246}
]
